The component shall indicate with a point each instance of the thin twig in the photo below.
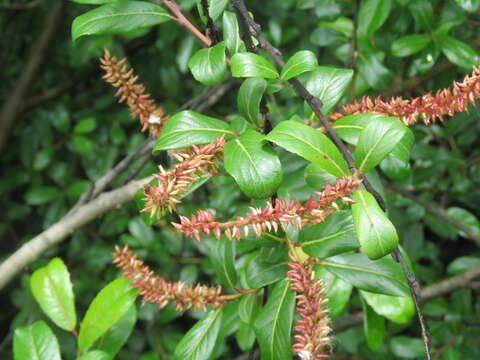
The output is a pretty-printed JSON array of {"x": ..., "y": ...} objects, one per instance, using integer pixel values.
[
  {"x": 180, "y": 19},
  {"x": 435, "y": 210},
  {"x": 315, "y": 103},
  {"x": 140, "y": 167}
]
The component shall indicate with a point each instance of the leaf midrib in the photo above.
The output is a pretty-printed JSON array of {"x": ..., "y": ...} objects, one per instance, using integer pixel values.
[
  {"x": 277, "y": 316},
  {"x": 205, "y": 333},
  {"x": 103, "y": 17},
  {"x": 340, "y": 233},
  {"x": 367, "y": 214}
]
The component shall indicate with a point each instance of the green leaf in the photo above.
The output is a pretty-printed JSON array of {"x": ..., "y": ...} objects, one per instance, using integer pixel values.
[
  {"x": 231, "y": 33},
  {"x": 334, "y": 236},
  {"x": 209, "y": 65},
  {"x": 466, "y": 218},
  {"x": 395, "y": 169},
  {"x": 409, "y": 45},
  {"x": 254, "y": 165},
  {"x": 458, "y": 52},
  {"x": 376, "y": 233},
  {"x": 40, "y": 195},
  {"x": 337, "y": 291},
  {"x": 274, "y": 323},
  {"x": 85, "y": 126},
  {"x": 216, "y": 8},
  {"x": 350, "y": 127},
  {"x": 407, "y": 347},
  {"x": 223, "y": 257},
  {"x": 52, "y": 289},
  {"x": 372, "y": 15},
  {"x": 462, "y": 264},
  {"x": 422, "y": 12},
  {"x": 371, "y": 68},
  {"x": 110, "y": 304},
  {"x": 376, "y": 141},
  {"x": 300, "y": 62},
  {"x": 245, "y": 337},
  {"x": 247, "y": 65},
  {"x": 247, "y": 306},
  {"x": 248, "y": 100},
  {"x": 383, "y": 276},
  {"x": 95, "y": 355},
  {"x": 199, "y": 342},
  {"x": 316, "y": 177},
  {"x": 310, "y": 144},
  {"x": 261, "y": 273},
  {"x": 187, "y": 128},
  {"x": 329, "y": 85},
  {"x": 113, "y": 340},
  {"x": 373, "y": 327},
  {"x": 35, "y": 342},
  {"x": 118, "y": 18},
  {"x": 399, "y": 309}
]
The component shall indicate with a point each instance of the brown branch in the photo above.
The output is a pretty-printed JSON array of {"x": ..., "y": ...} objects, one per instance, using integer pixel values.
[
  {"x": 433, "y": 291},
  {"x": 315, "y": 103},
  {"x": 38, "y": 53},
  {"x": 58, "y": 232},
  {"x": 436, "y": 210}
]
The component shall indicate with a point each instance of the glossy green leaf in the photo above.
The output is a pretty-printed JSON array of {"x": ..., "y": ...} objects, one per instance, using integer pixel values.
[
  {"x": 466, "y": 218},
  {"x": 383, "y": 276},
  {"x": 223, "y": 257},
  {"x": 407, "y": 347},
  {"x": 376, "y": 233},
  {"x": 231, "y": 34},
  {"x": 337, "y": 291},
  {"x": 458, "y": 52},
  {"x": 209, "y": 65},
  {"x": 409, "y": 45},
  {"x": 376, "y": 141},
  {"x": 254, "y": 165},
  {"x": 247, "y": 306},
  {"x": 395, "y": 169},
  {"x": 216, "y": 8},
  {"x": 373, "y": 327},
  {"x": 199, "y": 342},
  {"x": 247, "y": 65},
  {"x": 261, "y": 273},
  {"x": 299, "y": 63},
  {"x": 422, "y": 12},
  {"x": 399, "y": 309},
  {"x": 372, "y": 16},
  {"x": 310, "y": 144},
  {"x": 118, "y": 17},
  {"x": 110, "y": 304},
  {"x": 350, "y": 127},
  {"x": 245, "y": 337},
  {"x": 462, "y": 264},
  {"x": 85, "y": 126},
  {"x": 274, "y": 323},
  {"x": 95, "y": 355},
  {"x": 328, "y": 84},
  {"x": 52, "y": 289},
  {"x": 333, "y": 236},
  {"x": 187, "y": 128},
  {"x": 113, "y": 340},
  {"x": 35, "y": 342},
  {"x": 249, "y": 97},
  {"x": 370, "y": 67},
  {"x": 316, "y": 177}
]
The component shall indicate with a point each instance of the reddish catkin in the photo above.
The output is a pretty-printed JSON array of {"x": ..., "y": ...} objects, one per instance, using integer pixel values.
[
  {"x": 139, "y": 103},
  {"x": 173, "y": 184},
  {"x": 271, "y": 217},
  {"x": 313, "y": 328},
  {"x": 430, "y": 108},
  {"x": 155, "y": 289}
]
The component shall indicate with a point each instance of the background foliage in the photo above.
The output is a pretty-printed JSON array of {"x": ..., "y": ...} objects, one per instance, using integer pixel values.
[{"x": 69, "y": 131}]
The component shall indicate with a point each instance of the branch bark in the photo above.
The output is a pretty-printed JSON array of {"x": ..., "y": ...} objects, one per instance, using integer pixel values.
[
  {"x": 58, "y": 232},
  {"x": 13, "y": 103}
]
